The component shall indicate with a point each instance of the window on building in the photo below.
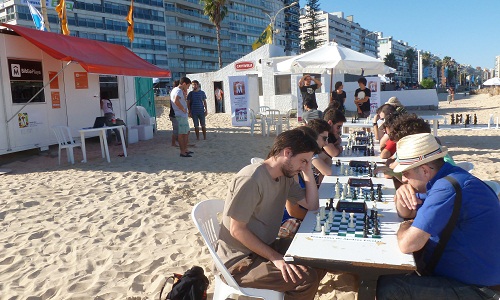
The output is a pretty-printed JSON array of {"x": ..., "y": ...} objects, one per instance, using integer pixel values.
[
  {"x": 109, "y": 84},
  {"x": 26, "y": 80},
  {"x": 259, "y": 80},
  {"x": 282, "y": 84}
]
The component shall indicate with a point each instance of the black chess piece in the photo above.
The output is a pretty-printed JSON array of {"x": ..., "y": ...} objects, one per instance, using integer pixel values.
[
  {"x": 467, "y": 120},
  {"x": 452, "y": 119},
  {"x": 475, "y": 119},
  {"x": 379, "y": 192},
  {"x": 370, "y": 171},
  {"x": 354, "y": 195},
  {"x": 461, "y": 118},
  {"x": 376, "y": 230}
]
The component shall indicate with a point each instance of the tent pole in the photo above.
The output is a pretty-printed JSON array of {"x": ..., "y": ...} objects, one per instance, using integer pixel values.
[
  {"x": 154, "y": 85},
  {"x": 331, "y": 83},
  {"x": 15, "y": 114},
  {"x": 5, "y": 108}
]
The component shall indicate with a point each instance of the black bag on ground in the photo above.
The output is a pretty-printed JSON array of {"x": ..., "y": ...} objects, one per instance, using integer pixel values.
[{"x": 191, "y": 286}]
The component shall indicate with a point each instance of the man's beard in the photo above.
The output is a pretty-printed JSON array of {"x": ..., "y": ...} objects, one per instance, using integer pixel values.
[{"x": 288, "y": 171}]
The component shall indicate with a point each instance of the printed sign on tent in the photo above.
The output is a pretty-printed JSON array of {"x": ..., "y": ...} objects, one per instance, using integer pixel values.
[
  {"x": 373, "y": 83},
  {"x": 238, "y": 87}
]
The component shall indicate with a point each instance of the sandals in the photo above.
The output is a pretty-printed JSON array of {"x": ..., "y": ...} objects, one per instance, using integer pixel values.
[{"x": 185, "y": 155}]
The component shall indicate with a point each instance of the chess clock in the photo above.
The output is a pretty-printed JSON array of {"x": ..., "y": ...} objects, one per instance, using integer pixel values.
[
  {"x": 360, "y": 182},
  {"x": 351, "y": 207},
  {"x": 359, "y": 163}
]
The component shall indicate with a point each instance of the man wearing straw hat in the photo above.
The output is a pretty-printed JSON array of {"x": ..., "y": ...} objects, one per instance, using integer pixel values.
[{"x": 453, "y": 232}]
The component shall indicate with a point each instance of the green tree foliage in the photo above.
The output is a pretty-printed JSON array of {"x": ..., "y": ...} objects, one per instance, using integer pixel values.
[
  {"x": 410, "y": 57},
  {"x": 427, "y": 83},
  {"x": 426, "y": 59},
  {"x": 216, "y": 10},
  {"x": 390, "y": 61},
  {"x": 312, "y": 26}
]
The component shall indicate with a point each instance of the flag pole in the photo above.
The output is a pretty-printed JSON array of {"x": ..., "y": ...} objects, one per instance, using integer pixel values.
[{"x": 44, "y": 15}]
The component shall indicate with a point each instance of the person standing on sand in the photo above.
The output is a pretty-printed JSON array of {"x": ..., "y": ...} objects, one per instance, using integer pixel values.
[
  {"x": 181, "y": 114},
  {"x": 171, "y": 116},
  {"x": 197, "y": 103}
]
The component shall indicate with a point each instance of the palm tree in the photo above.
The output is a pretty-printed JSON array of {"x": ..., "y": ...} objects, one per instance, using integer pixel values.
[
  {"x": 438, "y": 63},
  {"x": 390, "y": 61},
  {"x": 410, "y": 56},
  {"x": 448, "y": 62},
  {"x": 216, "y": 10}
]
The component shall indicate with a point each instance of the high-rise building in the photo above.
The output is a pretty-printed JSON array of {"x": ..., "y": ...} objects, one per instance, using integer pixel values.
[
  {"x": 172, "y": 34},
  {"x": 344, "y": 31},
  {"x": 389, "y": 45}
]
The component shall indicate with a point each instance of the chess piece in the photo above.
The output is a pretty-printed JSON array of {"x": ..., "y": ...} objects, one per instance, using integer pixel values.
[
  {"x": 452, "y": 119},
  {"x": 379, "y": 192},
  {"x": 318, "y": 223},
  {"x": 351, "y": 220},
  {"x": 322, "y": 212},
  {"x": 475, "y": 119},
  {"x": 330, "y": 216},
  {"x": 323, "y": 232},
  {"x": 337, "y": 189},
  {"x": 354, "y": 195},
  {"x": 343, "y": 220}
]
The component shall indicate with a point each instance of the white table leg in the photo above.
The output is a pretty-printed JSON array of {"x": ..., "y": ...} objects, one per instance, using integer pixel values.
[
  {"x": 435, "y": 127},
  {"x": 105, "y": 149},
  {"x": 102, "y": 138},
  {"x": 84, "y": 151},
  {"x": 123, "y": 141}
]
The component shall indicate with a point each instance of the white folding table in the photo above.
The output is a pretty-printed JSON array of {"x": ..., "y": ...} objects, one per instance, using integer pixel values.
[{"x": 102, "y": 137}]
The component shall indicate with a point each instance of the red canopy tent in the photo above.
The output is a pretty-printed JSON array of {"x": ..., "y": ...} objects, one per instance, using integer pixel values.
[{"x": 94, "y": 56}]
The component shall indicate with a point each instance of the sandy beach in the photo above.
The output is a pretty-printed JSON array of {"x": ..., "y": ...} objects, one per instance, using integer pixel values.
[{"x": 116, "y": 230}]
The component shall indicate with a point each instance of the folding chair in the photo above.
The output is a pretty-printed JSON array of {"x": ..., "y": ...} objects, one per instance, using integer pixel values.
[
  {"x": 204, "y": 216},
  {"x": 66, "y": 141}
]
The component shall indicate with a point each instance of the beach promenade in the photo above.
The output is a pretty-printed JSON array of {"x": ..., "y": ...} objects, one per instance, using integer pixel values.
[{"x": 116, "y": 230}]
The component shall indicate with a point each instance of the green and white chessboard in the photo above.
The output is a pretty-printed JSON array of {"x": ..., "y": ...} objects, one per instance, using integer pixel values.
[{"x": 338, "y": 228}]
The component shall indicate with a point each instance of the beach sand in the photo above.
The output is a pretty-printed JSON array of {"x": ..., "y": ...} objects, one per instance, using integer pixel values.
[{"x": 116, "y": 230}]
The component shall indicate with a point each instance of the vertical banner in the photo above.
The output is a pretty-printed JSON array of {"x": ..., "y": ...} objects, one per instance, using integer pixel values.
[
  {"x": 56, "y": 100},
  {"x": 54, "y": 84},
  {"x": 238, "y": 94},
  {"x": 373, "y": 83}
]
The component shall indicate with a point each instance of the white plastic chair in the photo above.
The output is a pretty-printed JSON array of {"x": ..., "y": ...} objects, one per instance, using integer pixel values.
[
  {"x": 144, "y": 117},
  {"x": 494, "y": 185},
  {"x": 256, "y": 160},
  {"x": 274, "y": 119},
  {"x": 204, "y": 216},
  {"x": 467, "y": 166},
  {"x": 255, "y": 121},
  {"x": 66, "y": 141}
]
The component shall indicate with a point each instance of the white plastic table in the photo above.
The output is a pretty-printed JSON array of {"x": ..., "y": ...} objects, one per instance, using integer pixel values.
[
  {"x": 103, "y": 140},
  {"x": 435, "y": 119}
]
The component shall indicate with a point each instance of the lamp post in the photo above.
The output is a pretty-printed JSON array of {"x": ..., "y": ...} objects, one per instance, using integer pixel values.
[{"x": 273, "y": 18}]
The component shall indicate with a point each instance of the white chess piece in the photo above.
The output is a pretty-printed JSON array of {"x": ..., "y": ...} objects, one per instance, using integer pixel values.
[
  {"x": 344, "y": 220},
  {"x": 323, "y": 230},
  {"x": 351, "y": 220},
  {"x": 330, "y": 216},
  {"x": 337, "y": 190},
  {"x": 318, "y": 223},
  {"x": 348, "y": 190},
  {"x": 327, "y": 227},
  {"x": 322, "y": 212}
]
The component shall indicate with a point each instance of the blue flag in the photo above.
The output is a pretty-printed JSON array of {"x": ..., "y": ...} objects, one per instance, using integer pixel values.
[{"x": 37, "y": 17}]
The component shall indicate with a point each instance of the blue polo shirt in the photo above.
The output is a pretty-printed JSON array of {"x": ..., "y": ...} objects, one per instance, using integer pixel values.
[{"x": 472, "y": 254}]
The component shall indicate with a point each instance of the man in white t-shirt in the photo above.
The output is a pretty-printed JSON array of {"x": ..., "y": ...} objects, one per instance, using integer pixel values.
[{"x": 178, "y": 96}]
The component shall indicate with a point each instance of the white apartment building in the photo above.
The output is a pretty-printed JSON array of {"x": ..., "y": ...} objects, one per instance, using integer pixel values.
[
  {"x": 172, "y": 34},
  {"x": 344, "y": 31},
  {"x": 389, "y": 45}
]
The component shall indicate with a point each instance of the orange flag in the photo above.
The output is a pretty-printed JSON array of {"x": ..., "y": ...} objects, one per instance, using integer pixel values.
[
  {"x": 130, "y": 21},
  {"x": 61, "y": 12}
]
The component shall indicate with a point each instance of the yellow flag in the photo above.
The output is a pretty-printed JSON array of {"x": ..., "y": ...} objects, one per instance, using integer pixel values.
[
  {"x": 61, "y": 12},
  {"x": 265, "y": 38},
  {"x": 130, "y": 21}
]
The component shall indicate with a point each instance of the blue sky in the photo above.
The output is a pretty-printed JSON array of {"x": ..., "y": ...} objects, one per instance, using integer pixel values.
[{"x": 463, "y": 30}]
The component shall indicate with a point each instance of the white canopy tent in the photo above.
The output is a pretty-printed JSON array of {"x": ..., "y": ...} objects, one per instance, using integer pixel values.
[
  {"x": 492, "y": 81},
  {"x": 333, "y": 57}
]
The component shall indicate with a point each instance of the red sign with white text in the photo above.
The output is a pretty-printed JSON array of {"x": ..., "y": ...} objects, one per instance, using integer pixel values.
[{"x": 244, "y": 65}]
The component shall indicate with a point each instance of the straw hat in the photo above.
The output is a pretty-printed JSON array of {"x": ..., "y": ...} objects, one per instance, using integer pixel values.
[
  {"x": 394, "y": 101},
  {"x": 417, "y": 149}
]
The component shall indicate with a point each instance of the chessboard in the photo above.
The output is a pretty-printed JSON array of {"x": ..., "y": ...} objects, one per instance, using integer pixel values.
[
  {"x": 349, "y": 225},
  {"x": 354, "y": 168}
]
